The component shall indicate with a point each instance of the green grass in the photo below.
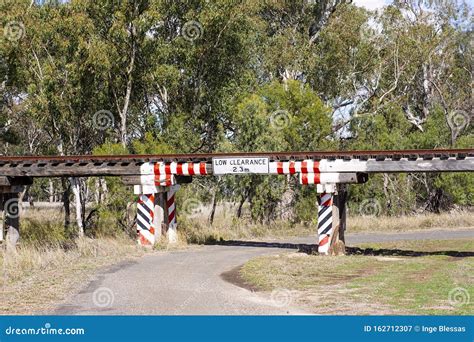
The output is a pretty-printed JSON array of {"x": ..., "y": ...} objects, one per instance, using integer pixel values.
[{"x": 362, "y": 284}]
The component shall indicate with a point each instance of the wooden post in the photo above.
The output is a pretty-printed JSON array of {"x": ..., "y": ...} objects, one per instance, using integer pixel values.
[
  {"x": 337, "y": 243},
  {"x": 12, "y": 218},
  {"x": 10, "y": 189}
]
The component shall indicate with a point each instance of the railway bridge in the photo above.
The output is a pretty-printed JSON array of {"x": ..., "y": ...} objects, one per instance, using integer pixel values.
[{"x": 156, "y": 178}]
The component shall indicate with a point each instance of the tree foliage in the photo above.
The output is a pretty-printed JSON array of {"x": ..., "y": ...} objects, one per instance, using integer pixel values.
[{"x": 147, "y": 76}]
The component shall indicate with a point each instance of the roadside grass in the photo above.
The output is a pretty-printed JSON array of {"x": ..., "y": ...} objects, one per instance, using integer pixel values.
[
  {"x": 453, "y": 219},
  {"x": 355, "y": 284},
  {"x": 197, "y": 230},
  {"x": 34, "y": 279}
]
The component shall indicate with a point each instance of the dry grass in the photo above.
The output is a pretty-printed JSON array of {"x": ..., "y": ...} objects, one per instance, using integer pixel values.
[
  {"x": 456, "y": 219},
  {"x": 34, "y": 279},
  {"x": 198, "y": 230}
]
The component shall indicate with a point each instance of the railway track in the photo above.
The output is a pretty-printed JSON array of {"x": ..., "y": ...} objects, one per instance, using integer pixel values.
[
  {"x": 363, "y": 155},
  {"x": 433, "y": 160}
]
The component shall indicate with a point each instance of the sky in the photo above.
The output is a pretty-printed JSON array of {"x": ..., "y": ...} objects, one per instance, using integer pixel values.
[
  {"x": 374, "y": 4},
  {"x": 371, "y": 4}
]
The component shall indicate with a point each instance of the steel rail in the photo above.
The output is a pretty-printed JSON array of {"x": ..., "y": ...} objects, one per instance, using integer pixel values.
[{"x": 292, "y": 155}]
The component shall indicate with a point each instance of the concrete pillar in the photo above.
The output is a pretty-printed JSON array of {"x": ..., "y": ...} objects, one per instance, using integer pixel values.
[
  {"x": 145, "y": 218},
  {"x": 331, "y": 218},
  {"x": 160, "y": 215},
  {"x": 171, "y": 219},
  {"x": 325, "y": 224}
]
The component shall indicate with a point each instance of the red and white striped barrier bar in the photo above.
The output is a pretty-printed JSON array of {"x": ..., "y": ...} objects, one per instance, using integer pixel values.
[
  {"x": 186, "y": 169},
  {"x": 145, "y": 216},
  {"x": 183, "y": 169},
  {"x": 293, "y": 167},
  {"x": 171, "y": 211},
  {"x": 325, "y": 227}
]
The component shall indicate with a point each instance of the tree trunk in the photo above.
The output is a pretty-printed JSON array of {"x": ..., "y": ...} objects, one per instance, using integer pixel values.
[
  {"x": 105, "y": 190},
  {"x": 66, "y": 203},
  {"x": 128, "y": 92},
  {"x": 214, "y": 205},
  {"x": 23, "y": 194},
  {"x": 285, "y": 208},
  {"x": 84, "y": 192},
  {"x": 76, "y": 190},
  {"x": 51, "y": 190},
  {"x": 241, "y": 204},
  {"x": 386, "y": 193}
]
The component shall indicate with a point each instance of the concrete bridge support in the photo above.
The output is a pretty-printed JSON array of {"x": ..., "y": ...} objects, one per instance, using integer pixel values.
[
  {"x": 331, "y": 218},
  {"x": 156, "y": 215}
]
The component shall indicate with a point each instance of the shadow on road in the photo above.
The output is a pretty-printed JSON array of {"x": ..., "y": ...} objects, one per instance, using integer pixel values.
[
  {"x": 301, "y": 247},
  {"x": 312, "y": 249}
]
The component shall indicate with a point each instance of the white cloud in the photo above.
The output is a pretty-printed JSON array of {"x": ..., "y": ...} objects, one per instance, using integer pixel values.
[{"x": 371, "y": 4}]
